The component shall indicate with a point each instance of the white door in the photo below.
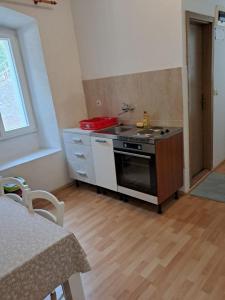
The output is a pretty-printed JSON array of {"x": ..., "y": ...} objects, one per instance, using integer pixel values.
[
  {"x": 219, "y": 99},
  {"x": 104, "y": 163}
]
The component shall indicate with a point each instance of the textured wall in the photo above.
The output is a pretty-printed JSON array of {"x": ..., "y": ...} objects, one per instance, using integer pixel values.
[{"x": 158, "y": 92}]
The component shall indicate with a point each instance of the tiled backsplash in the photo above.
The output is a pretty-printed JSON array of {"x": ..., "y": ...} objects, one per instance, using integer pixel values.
[{"x": 158, "y": 92}]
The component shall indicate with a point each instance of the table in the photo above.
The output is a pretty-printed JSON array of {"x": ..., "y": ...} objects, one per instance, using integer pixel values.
[{"x": 36, "y": 255}]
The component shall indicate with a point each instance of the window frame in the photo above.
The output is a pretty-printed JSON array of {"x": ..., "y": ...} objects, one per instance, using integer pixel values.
[{"x": 11, "y": 36}]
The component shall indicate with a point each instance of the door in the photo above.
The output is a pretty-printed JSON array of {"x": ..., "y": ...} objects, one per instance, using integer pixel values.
[
  {"x": 196, "y": 98},
  {"x": 199, "y": 55},
  {"x": 104, "y": 163},
  {"x": 136, "y": 171}
]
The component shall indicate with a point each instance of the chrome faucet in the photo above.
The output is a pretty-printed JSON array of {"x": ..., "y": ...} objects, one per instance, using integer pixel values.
[{"x": 126, "y": 108}]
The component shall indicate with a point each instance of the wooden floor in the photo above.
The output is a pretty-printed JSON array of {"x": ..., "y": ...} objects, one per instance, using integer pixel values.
[{"x": 138, "y": 254}]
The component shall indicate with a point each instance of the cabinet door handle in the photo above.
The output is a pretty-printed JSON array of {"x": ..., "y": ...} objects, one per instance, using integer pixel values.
[
  {"x": 81, "y": 173},
  {"x": 77, "y": 140},
  {"x": 80, "y": 155},
  {"x": 101, "y": 141}
]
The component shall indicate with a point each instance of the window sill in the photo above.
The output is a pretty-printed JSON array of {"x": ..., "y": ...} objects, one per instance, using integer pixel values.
[{"x": 28, "y": 158}]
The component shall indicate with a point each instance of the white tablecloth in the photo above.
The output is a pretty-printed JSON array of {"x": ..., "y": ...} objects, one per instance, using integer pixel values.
[{"x": 35, "y": 254}]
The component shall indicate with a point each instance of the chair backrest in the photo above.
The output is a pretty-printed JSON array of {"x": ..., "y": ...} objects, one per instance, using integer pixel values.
[
  {"x": 59, "y": 206},
  {"x": 22, "y": 200}
]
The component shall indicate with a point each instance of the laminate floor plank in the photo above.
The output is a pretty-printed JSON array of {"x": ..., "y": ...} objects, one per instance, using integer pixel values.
[{"x": 138, "y": 254}]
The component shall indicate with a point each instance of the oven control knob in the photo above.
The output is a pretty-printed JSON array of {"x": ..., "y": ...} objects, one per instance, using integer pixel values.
[
  {"x": 167, "y": 130},
  {"x": 162, "y": 132}
]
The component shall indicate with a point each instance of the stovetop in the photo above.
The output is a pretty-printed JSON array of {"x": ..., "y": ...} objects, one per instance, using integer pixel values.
[
  {"x": 147, "y": 135},
  {"x": 129, "y": 133}
]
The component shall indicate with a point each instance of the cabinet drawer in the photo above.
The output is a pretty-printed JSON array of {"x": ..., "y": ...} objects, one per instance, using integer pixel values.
[
  {"x": 82, "y": 171},
  {"x": 77, "y": 139},
  {"x": 78, "y": 153}
]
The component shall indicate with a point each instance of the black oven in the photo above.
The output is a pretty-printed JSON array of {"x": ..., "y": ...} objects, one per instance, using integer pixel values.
[{"x": 136, "y": 166}]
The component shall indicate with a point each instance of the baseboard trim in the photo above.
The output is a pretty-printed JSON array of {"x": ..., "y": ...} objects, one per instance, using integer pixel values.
[{"x": 62, "y": 188}]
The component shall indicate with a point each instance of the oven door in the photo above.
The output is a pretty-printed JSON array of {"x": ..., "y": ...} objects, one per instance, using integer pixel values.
[{"x": 136, "y": 171}]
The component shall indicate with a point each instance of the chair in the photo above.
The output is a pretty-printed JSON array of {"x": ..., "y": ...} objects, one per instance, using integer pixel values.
[
  {"x": 22, "y": 200},
  {"x": 57, "y": 219},
  {"x": 59, "y": 206}
]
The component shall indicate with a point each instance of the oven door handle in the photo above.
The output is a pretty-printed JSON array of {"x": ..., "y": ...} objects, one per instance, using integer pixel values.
[{"x": 133, "y": 154}]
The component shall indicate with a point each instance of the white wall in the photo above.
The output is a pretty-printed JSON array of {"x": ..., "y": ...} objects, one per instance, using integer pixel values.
[
  {"x": 127, "y": 36},
  {"x": 48, "y": 173},
  {"x": 62, "y": 62},
  {"x": 219, "y": 102},
  {"x": 16, "y": 147},
  {"x": 208, "y": 7},
  {"x": 27, "y": 33}
]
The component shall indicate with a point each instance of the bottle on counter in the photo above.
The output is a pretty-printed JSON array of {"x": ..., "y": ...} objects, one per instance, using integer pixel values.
[{"x": 146, "y": 120}]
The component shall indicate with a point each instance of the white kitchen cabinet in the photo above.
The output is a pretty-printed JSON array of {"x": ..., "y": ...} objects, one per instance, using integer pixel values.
[
  {"x": 79, "y": 154},
  {"x": 104, "y": 163}
]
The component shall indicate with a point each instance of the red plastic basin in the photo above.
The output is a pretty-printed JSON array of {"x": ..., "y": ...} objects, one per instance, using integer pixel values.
[{"x": 98, "y": 123}]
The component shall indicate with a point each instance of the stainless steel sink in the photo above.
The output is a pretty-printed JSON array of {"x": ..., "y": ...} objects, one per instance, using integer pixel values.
[{"x": 115, "y": 130}]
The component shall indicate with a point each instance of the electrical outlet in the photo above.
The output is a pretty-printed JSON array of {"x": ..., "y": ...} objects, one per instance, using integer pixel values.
[{"x": 99, "y": 102}]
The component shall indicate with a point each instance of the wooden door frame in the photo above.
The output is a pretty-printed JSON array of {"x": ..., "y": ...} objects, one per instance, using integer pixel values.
[{"x": 192, "y": 17}]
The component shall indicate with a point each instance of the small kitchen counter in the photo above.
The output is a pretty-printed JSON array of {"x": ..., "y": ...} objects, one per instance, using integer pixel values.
[
  {"x": 126, "y": 131},
  {"x": 143, "y": 163},
  {"x": 140, "y": 134}
]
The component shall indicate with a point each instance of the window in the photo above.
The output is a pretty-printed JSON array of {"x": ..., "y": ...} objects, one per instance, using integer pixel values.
[{"x": 16, "y": 117}]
